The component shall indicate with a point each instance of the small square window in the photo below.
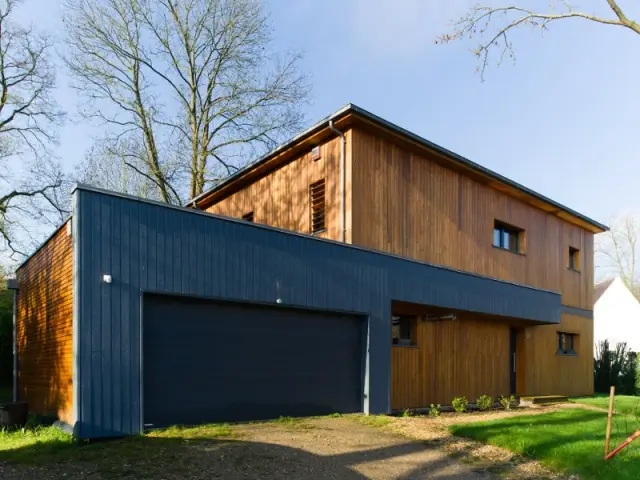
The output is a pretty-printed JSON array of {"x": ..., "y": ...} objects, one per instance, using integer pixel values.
[
  {"x": 248, "y": 217},
  {"x": 574, "y": 258},
  {"x": 315, "y": 154},
  {"x": 566, "y": 343},
  {"x": 508, "y": 237},
  {"x": 403, "y": 330}
]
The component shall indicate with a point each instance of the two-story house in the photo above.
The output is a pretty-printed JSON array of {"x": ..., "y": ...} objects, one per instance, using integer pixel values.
[{"x": 358, "y": 267}]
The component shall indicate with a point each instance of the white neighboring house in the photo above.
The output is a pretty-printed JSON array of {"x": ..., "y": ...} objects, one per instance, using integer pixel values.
[{"x": 616, "y": 314}]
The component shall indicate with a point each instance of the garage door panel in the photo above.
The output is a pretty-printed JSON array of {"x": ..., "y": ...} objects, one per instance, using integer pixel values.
[{"x": 211, "y": 362}]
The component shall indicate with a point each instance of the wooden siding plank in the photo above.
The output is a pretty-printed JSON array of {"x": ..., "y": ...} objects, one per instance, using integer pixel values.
[{"x": 45, "y": 329}]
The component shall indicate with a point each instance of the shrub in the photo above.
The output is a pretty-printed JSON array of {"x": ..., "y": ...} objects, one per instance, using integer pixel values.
[
  {"x": 434, "y": 410},
  {"x": 407, "y": 413},
  {"x": 615, "y": 367},
  {"x": 460, "y": 404},
  {"x": 484, "y": 402},
  {"x": 507, "y": 402}
]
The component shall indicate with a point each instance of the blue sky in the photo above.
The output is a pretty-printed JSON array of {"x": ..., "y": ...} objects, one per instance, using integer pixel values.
[{"x": 563, "y": 121}]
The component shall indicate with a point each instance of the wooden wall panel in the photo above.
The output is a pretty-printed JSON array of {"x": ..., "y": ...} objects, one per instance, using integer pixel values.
[
  {"x": 410, "y": 205},
  {"x": 548, "y": 373},
  {"x": 466, "y": 356},
  {"x": 45, "y": 329},
  {"x": 281, "y": 199}
]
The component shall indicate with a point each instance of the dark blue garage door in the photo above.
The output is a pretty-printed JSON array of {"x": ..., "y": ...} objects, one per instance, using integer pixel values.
[{"x": 210, "y": 361}]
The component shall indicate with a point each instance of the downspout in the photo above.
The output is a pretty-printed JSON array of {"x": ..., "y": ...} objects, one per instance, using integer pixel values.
[
  {"x": 343, "y": 217},
  {"x": 13, "y": 285}
]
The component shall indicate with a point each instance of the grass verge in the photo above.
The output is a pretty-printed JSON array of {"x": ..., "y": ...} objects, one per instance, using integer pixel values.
[
  {"x": 569, "y": 440},
  {"x": 626, "y": 404}
]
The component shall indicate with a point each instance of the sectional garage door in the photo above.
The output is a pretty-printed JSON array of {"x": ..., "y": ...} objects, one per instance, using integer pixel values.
[{"x": 207, "y": 361}]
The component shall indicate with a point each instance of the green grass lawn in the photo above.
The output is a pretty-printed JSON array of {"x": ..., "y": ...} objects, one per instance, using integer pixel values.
[
  {"x": 626, "y": 404},
  {"x": 570, "y": 440}
]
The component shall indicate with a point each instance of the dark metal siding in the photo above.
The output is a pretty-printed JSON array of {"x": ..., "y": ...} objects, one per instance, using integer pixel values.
[
  {"x": 146, "y": 246},
  {"x": 210, "y": 362}
]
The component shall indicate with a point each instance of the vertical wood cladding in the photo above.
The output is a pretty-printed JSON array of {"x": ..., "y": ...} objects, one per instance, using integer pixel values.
[
  {"x": 45, "y": 329},
  {"x": 471, "y": 357},
  {"x": 463, "y": 357},
  {"x": 550, "y": 373},
  {"x": 410, "y": 205},
  {"x": 281, "y": 199}
]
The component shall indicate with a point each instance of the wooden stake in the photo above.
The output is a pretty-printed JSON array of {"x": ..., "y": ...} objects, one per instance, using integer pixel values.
[{"x": 608, "y": 438}]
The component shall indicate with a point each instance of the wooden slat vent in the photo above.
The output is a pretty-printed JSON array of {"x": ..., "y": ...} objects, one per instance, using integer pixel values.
[{"x": 317, "y": 204}]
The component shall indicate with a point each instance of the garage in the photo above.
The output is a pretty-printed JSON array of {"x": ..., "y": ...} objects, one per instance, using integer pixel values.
[{"x": 208, "y": 361}]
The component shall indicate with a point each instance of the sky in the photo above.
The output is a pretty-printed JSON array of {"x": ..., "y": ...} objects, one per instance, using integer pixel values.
[{"x": 562, "y": 121}]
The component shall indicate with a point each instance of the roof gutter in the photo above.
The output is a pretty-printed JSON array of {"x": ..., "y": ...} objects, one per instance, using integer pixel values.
[{"x": 343, "y": 216}]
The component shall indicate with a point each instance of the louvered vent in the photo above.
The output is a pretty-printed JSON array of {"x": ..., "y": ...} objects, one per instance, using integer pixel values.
[{"x": 316, "y": 201}]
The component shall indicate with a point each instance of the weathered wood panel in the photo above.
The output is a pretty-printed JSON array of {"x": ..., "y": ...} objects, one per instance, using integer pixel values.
[
  {"x": 410, "y": 205},
  {"x": 547, "y": 372},
  {"x": 45, "y": 329},
  {"x": 281, "y": 199},
  {"x": 466, "y": 356}
]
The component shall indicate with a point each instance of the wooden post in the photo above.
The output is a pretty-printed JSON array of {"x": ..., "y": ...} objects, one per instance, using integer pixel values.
[{"x": 608, "y": 438}]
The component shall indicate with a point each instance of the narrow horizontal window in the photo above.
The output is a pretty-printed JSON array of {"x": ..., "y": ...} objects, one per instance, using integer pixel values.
[
  {"x": 566, "y": 343},
  {"x": 574, "y": 258},
  {"x": 317, "y": 206},
  {"x": 508, "y": 237},
  {"x": 248, "y": 217}
]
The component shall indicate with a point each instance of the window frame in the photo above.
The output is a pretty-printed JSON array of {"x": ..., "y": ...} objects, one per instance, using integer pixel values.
[
  {"x": 410, "y": 338},
  {"x": 507, "y": 235},
  {"x": 574, "y": 259},
  {"x": 571, "y": 350}
]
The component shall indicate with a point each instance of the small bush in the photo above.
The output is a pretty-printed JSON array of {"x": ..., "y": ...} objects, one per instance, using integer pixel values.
[
  {"x": 460, "y": 404},
  {"x": 407, "y": 413},
  {"x": 434, "y": 410},
  {"x": 484, "y": 402},
  {"x": 507, "y": 402}
]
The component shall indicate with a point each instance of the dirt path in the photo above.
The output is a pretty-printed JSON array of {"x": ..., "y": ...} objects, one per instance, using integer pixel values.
[{"x": 327, "y": 448}]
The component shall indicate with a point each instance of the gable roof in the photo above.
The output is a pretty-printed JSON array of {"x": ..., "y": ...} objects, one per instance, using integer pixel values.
[
  {"x": 351, "y": 111},
  {"x": 600, "y": 288}
]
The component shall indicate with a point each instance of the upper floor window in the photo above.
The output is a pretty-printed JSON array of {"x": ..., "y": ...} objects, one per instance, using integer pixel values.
[
  {"x": 317, "y": 206},
  {"x": 508, "y": 237},
  {"x": 248, "y": 216},
  {"x": 574, "y": 258},
  {"x": 403, "y": 330},
  {"x": 567, "y": 343}
]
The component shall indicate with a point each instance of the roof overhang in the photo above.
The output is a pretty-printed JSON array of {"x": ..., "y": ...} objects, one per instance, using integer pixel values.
[{"x": 353, "y": 116}]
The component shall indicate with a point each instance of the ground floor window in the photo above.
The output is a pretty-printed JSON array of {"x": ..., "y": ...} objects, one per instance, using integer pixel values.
[
  {"x": 566, "y": 343},
  {"x": 403, "y": 330}
]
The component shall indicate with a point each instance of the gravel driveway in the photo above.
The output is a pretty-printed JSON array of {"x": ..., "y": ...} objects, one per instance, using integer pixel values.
[{"x": 331, "y": 448}]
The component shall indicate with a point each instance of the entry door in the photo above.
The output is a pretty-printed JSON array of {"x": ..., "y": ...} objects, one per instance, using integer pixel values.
[{"x": 513, "y": 359}]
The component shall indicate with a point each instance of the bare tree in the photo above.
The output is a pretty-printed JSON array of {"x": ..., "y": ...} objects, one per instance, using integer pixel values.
[
  {"x": 617, "y": 251},
  {"x": 493, "y": 25},
  {"x": 192, "y": 83},
  {"x": 30, "y": 180}
]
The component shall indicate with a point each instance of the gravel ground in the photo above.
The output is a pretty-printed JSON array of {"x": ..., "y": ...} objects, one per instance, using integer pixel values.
[{"x": 327, "y": 448}]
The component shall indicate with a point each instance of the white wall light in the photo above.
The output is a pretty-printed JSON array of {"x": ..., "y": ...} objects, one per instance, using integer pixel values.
[{"x": 106, "y": 278}]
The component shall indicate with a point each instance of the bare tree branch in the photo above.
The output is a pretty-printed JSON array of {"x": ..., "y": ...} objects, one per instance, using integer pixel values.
[
  {"x": 617, "y": 251},
  {"x": 493, "y": 26},
  {"x": 194, "y": 80},
  {"x": 30, "y": 181}
]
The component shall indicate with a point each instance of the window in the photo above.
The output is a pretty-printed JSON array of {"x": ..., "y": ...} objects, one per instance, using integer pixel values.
[
  {"x": 508, "y": 237},
  {"x": 574, "y": 258},
  {"x": 316, "y": 204},
  {"x": 315, "y": 153},
  {"x": 566, "y": 343},
  {"x": 248, "y": 216},
  {"x": 403, "y": 330}
]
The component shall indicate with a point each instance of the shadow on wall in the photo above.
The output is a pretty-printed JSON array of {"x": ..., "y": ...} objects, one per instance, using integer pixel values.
[{"x": 6, "y": 342}]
